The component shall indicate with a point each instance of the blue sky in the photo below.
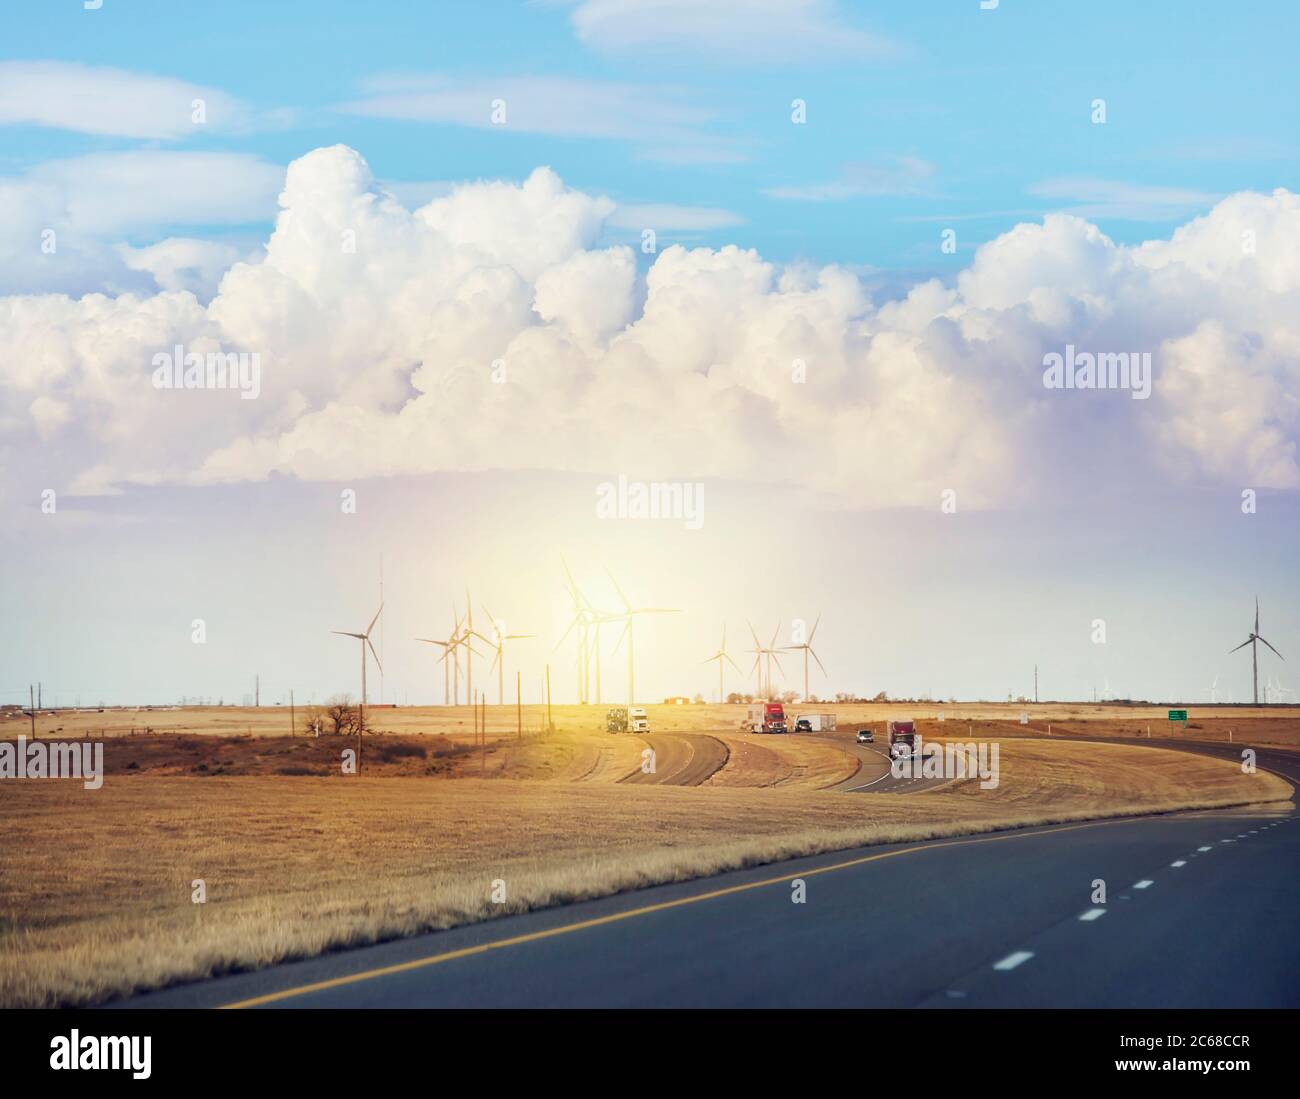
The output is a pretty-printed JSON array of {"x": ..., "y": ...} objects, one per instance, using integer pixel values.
[
  {"x": 924, "y": 368},
  {"x": 961, "y": 118}
]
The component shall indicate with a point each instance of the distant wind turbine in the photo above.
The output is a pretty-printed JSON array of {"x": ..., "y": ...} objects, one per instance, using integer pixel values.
[
  {"x": 499, "y": 643},
  {"x": 364, "y": 638},
  {"x": 807, "y": 649},
  {"x": 628, "y": 616},
  {"x": 1252, "y": 641},
  {"x": 769, "y": 651},
  {"x": 720, "y": 656}
]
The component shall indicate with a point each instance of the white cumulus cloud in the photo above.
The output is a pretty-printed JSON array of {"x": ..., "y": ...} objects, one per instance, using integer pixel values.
[{"x": 490, "y": 329}]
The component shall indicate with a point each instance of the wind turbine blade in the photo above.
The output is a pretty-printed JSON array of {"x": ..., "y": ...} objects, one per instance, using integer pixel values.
[
  {"x": 1279, "y": 655},
  {"x": 345, "y": 633},
  {"x": 814, "y": 629},
  {"x": 566, "y": 633},
  {"x": 1257, "y": 614},
  {"x": 626, "y": 605},
  {"x": 777, "y": 661},
  {"x": 430, "y": 641},
  {"x": 517, "y": 636},
  {"x": 772, "y": 643},
  {"x": 1243, "y": 644},
  {"x": 732, "y": 662},
  {"x": 627, "y": 626},
  {"x": 373, "y": 653},
  {"x": 757, "y": 643},
  {"x": 375, "y": 619},
  {"x": 815, "y": 657}
]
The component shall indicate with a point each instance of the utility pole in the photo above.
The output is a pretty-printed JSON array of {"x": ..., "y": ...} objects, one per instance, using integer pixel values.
[
  {"x": 31, "y": 708},
  {"x": 549, "y": 725},
  {"x": 1035, "y": 683},
  {"x": 293, "y": 721},
  {"x": 519, "y": 706},
  {"x": 257, "y": 692},
  {"x": 40, "y": 705}
]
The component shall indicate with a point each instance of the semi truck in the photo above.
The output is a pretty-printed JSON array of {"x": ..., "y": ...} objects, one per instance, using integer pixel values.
[
  {"x": 765, "y": 717},
  {"x": 622, "y": 719},
  {"x": 814, "y": 723},
  {"x": 902, "y": 737}
]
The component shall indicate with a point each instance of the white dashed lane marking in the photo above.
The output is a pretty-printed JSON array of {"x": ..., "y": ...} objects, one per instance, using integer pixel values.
[
  {"x": 1013, "y": 960},
  {"x": 1145, "y": 883},
  {"x": 1093, "y": 914},
  {"x": 1180, "y": 862},
  {"x": 1205, "y": 849}
]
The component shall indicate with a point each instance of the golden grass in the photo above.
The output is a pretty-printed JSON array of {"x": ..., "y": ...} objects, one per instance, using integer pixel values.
[{"x": 95, "y": 889}]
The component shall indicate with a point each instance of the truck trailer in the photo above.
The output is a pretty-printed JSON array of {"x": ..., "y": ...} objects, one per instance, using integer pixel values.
[
  {"x": 765, "y": 717},
  {"x": 814, "y": 723}
]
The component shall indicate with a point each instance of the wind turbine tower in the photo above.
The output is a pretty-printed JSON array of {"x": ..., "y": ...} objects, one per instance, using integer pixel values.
[
  {"x": 364, "y": 638},
  {"x": 722, "y": 656},
  {"x": 807, "y": 649},
  {"x": 629, "y": 617},
  {"x": 1253, "y": 641}
]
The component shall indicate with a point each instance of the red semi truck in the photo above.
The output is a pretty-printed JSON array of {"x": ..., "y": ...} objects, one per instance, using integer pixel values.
[
  {"x": 765, "y": 717},
  {"x": 902, "y": 737}
]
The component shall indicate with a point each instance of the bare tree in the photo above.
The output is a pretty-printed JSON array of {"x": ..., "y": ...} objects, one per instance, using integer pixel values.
[{"x": 343, "y": 718}]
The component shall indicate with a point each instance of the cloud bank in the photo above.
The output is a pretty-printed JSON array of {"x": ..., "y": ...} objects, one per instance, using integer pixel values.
[{"x": 487, "y": 329}]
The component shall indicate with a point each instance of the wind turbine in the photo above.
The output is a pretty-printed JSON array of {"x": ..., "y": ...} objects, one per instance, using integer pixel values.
[
  {"x": 448, "y": 647},
  {"x": 770, "y": 651},
  {"x": 364, "y": 638},
  {"x": 720, "y": 656},
  {"x": 581, "y": 621},
  {"x": 807, "y": 648},
  {"x": 467, "y": 637},
  {"x": 498, "y": 661},
  {"x": 1214, "y": 691},
  {"x": 1252, "y": 641},
  {"x": 629, "y": 617}
]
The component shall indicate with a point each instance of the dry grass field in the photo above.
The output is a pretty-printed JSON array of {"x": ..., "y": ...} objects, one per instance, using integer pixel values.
[{"x": 95, "y": 887}]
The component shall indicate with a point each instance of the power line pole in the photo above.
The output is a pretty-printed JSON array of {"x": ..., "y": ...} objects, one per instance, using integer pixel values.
[
  {"x": 549, "y": 724},
  {"x": 519, "y": 706},
  {"x": 257, "y": 691},
  {"x": 293, "y": 721},
  {"x": 31, "y": 708},
  {"x": 1035, "y": 682}
]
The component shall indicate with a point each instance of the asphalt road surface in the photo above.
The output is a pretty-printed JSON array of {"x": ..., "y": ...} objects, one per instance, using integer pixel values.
[
  {"x": 681, "y": 759},
  {"x": 1200, "y": 911}
]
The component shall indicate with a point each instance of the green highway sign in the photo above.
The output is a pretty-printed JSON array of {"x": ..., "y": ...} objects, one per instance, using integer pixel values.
[{"x": 1178, "y": 715}]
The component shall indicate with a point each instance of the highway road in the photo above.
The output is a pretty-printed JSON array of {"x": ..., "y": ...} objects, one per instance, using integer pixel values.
[
  {"x": 681, "y": 759},
  {"x": 1200, "y": 911}
]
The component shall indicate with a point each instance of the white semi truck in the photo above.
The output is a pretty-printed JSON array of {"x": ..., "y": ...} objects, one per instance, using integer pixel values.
[
  {"x": 814, "y": 723},
  {"x": 637, "y": 721}
]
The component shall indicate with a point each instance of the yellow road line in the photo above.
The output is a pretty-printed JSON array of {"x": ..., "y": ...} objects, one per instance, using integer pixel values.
[{"x": 599, "y": 921}]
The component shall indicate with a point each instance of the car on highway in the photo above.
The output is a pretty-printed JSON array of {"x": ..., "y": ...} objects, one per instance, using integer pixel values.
[
  {"x": 803, "y": 725},
  {"x": 866, "y": 736}
]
